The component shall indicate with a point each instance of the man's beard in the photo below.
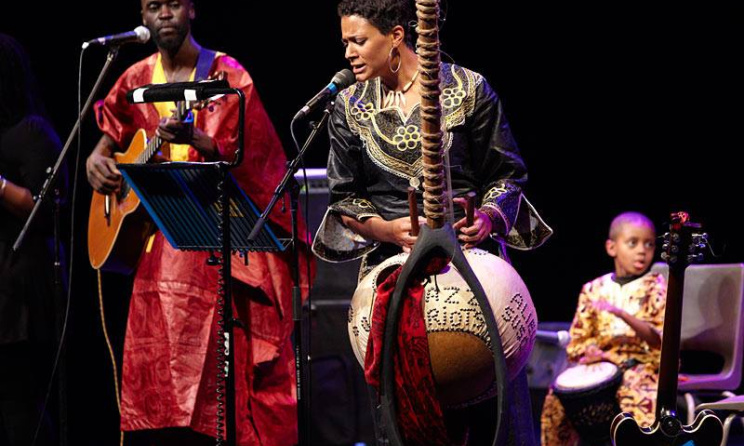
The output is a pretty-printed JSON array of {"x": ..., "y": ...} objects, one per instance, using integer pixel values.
[{"x": 171, "y": 43}]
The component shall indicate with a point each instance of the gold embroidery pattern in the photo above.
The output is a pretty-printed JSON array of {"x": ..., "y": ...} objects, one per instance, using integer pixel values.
[
  {"x": 392, "y": 140},
  {"x": 362, "y": 203},
  {"x": 362, "y": 111},
  {"x": 494, "y": 193},
  {"x": 407, "y": 138},
  {"x": 460, "y": 79},
  {"x": 453, "y": 97}
]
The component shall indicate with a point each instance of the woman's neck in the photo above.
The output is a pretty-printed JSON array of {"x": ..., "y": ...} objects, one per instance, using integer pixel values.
[{"x": 401, "y": 79}]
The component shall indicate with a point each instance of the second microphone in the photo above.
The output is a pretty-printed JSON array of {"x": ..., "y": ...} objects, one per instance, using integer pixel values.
[{"x": 343, "y": 79}]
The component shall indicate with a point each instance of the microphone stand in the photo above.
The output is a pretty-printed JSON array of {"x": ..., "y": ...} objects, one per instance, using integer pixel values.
[
  {"x": 53, "y": 172},
  {"x": 302, "y": 356},
  {"x": 49, "y": 182}
]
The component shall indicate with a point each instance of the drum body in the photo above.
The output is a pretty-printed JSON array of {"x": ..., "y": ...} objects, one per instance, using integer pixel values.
[
  {"x": 588, "y": 395},
  {"x": 459, "y": 344}
]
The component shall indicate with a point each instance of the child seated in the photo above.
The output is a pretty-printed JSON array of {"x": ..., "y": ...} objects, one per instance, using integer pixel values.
[{"x": 618, "y": 319}]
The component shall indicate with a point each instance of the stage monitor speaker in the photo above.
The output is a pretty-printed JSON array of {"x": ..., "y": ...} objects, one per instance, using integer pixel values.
[
  {"x": 341, "y": 411},
  {"x": 546, "y": 362}
]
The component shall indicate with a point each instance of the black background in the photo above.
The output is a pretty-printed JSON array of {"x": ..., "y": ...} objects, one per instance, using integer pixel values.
[{"x": 616, "y": 106}]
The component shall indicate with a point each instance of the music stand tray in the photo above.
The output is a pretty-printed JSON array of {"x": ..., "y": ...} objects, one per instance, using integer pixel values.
[{"x": 183, "y": 200}]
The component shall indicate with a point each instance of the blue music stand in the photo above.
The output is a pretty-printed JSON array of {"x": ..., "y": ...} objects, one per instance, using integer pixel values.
[
  {"x": 183, "y": 200},
  {"x": 189, "y": 204}
]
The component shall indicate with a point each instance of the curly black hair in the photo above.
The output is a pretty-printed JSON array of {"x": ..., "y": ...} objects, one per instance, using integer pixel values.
[
  {"x": 19, "y": 96},
  {"x": 383, "y": 14}
]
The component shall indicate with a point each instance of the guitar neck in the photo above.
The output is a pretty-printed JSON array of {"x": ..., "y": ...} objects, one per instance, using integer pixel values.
[
  {"x": 181, "y": 113},
  {"x": 152, "y": 148},
  {"x": 681, "y": 249},
  {"x": 666, "y": 400}
]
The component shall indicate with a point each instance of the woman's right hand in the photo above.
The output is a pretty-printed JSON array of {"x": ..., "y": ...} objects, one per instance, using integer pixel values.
[{"x": 398, "y": 232}]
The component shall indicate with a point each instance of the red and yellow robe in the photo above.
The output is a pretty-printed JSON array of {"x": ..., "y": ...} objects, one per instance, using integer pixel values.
[{"x": 169, "y": 369}]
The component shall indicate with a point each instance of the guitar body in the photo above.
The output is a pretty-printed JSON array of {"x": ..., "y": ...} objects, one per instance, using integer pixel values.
[
  {"x": 117, "y": 226},
  {"x": 706, "y": 430}
]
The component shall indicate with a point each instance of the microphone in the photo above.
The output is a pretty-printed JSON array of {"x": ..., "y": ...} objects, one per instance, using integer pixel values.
[
  {"x": 178, "y": 91},
  {"x": 341, "y": 80},
  {"x": 560, "y": 338},
  {"x": 140, "y": 35}
]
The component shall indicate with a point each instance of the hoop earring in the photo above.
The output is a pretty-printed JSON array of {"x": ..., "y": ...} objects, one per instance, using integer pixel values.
[{"x": 390, "y": 61}]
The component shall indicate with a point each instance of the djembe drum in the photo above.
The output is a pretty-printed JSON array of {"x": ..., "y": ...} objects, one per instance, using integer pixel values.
[{"x": 588, "y": 395}]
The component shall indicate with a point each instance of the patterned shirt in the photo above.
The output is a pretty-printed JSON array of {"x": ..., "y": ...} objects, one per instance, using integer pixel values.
[{"x": 644, "y": 298}]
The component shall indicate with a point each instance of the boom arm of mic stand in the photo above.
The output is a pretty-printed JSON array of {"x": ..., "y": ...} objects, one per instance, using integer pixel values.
[
  {"x": 53, "y": 172},
  {"x": 292, "y": 168}
]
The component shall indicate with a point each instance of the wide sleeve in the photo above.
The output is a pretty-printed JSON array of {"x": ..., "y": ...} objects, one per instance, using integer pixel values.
[
  {"x": 501, "y": 172},
  {"x": 499, "y": 166},
  {"x": 119, "y": 119},
  {"x": 264, "y": 161},
  {"x": 335, "y": 242}
]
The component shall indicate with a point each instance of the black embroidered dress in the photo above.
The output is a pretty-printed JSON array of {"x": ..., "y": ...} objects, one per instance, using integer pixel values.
[{"x": 376, "y": 155}]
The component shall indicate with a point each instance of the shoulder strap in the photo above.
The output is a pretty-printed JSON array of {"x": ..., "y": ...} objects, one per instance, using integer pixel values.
[{"x": 204, "y": 63}]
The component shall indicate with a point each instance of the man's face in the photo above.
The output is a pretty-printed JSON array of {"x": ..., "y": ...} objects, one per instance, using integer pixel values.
[{"x": 169, "y": 21}]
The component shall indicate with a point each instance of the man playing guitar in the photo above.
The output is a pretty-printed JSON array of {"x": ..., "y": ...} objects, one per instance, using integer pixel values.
[{"x": 169, "y": 354}]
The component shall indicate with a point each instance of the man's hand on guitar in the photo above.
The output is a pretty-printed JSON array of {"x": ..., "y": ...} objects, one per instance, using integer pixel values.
[
  {"x": 180, "y": 132},
  {"x": 175, "y": 131},
  {"x": 102, "y": 173}
]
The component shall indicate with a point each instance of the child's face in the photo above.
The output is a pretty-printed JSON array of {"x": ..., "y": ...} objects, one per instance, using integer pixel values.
[{"x": 633, "y": 249}]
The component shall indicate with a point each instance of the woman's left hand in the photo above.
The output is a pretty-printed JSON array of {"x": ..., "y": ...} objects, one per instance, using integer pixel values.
[{"x": 478, "y": 231}]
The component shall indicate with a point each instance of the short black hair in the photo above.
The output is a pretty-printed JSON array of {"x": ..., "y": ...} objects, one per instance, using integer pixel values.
[
  {"x": 383, "y": 14},
  {"x": 628, "y": 218}
]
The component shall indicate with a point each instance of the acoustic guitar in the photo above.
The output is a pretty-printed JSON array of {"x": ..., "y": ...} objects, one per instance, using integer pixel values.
[
  {"x": 118, "y": 226},
  {"x": 681, "y": 247}
]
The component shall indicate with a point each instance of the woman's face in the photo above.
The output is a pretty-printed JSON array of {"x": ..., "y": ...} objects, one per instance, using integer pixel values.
[{"x": 367, "y": 49}]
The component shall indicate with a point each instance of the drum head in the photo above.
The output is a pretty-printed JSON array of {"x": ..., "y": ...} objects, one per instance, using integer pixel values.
[{"x": 586, "y": 376}]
